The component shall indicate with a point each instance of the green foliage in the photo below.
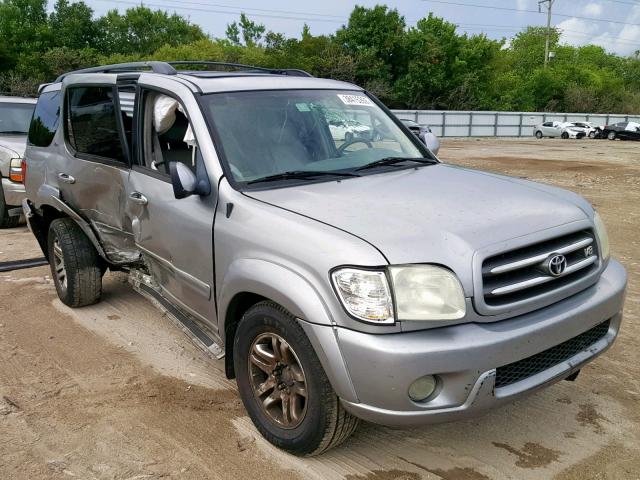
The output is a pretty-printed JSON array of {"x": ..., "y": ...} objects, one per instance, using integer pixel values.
[{"x": 429, "y": 65}]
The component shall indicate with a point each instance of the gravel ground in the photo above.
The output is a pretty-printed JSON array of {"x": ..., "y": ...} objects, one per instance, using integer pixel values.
[{"x": 115, "y": 391}]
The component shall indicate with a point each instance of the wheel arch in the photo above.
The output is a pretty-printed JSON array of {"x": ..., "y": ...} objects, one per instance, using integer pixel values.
[{"x": 250, "y": 281}]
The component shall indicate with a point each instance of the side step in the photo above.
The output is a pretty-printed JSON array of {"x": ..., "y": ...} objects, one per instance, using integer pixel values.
[
  {"x": 20, "y": 264},
  {"x": 141, "y": 284}
]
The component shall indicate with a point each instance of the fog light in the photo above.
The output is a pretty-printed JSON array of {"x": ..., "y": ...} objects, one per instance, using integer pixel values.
[{"x": 422, "y": 388}]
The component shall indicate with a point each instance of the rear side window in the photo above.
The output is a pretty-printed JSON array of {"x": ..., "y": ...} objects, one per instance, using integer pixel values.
[
  {"x": 44, "y": 122},
  {"x": 92, "y": 124}
]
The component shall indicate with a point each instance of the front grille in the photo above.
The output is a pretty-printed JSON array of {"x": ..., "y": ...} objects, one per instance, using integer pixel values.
[
  {"x": 525, "y": 368},
  {"x": 524, "y": 273}
]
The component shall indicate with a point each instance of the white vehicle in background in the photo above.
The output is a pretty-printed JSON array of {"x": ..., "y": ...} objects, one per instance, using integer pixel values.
[
  {"x": 590, "y": 129},
  {"x": 347, "y": 130},
  {"x": 559, "y": 129}
]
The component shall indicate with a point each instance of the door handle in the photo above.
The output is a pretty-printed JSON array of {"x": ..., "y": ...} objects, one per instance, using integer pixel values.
[
  {"x": 137, "y": 197},
  {"x": 66, "y": 178}
]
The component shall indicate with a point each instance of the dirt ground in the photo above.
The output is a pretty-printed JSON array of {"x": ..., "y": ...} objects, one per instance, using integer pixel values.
[{"x": 115, "y": 391}]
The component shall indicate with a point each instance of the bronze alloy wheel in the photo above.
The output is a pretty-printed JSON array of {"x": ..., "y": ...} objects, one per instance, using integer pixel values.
[
  {"x": 278, "y": 380},
  {"x": 58, "y": 264}
]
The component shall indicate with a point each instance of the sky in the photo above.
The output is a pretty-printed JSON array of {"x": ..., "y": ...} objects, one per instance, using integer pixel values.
[{"x": 613, "y": 24}]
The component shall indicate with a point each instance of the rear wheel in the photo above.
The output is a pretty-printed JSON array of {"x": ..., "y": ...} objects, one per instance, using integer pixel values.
[
  {"x": 6, "y": 221},
  {"x": 538, "y": 134},
  {"x": 611, "y": 135},
  {"x": 565, "y": 135},
  {"x": 283, "y": 385},
  {"x": 76, "y": 266}
]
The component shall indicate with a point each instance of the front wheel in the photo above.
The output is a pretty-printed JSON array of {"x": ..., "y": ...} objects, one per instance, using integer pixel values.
[
  {"x": 538, "y": 134},
  {"x": 283, "y": 385},
  {"x": 611, "y": 135},
  {"x": 592, "y": 134},
  {"x": 76, "y": 266},
  {"x": 565, "y": 135}
]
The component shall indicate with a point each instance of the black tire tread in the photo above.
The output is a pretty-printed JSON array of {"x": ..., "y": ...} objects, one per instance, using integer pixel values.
[
  {"x": 340, "y": 423},
  {"x": 82, "y": 263}
]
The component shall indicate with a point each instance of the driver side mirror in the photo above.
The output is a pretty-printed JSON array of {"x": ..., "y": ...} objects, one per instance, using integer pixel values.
[{"x": 185, "y": 183}]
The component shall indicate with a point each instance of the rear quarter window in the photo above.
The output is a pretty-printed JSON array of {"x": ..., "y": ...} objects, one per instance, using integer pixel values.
[
  {"x": 92, "y": 125},
  {"x": 44, "y": 122}
]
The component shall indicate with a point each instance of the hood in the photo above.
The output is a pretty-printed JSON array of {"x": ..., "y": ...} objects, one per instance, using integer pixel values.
[
  {"x": 434, "y": 214},
  {"x": 16, "y": 144}
]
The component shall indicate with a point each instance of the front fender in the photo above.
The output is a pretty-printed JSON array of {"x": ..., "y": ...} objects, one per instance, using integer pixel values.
[
  {"x": 296, "y": 294},
  {"x": 277, "y": 283}
]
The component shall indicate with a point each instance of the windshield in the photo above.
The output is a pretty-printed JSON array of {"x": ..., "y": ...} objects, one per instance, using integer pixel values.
[
  {"x": 267, "y": 133},
  {"x": 15, "y": 117}
]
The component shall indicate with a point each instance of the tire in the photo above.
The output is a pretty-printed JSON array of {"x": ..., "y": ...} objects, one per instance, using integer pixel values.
[
  {"x": 76, "y": 267},
  {"x": 322, "y": 422},
  {"x": 592, "y": 134},
  {"x": 611, "y": 135},
  {"x": 538, "y": 134},
  {"x": 5, "y": 220},
  {"x": 564, "y": 135}
]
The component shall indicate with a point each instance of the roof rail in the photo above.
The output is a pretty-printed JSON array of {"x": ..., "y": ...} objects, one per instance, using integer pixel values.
[
  {"x": 155, "y": 66},
  {"x": 294, "y": 72}
]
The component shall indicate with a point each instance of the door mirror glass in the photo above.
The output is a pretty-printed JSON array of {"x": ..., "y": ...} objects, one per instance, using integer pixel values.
[{"x": 183, "y": 179}]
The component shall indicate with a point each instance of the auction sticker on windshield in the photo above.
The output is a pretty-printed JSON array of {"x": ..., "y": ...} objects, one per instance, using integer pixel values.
[{"x": 356, "y": 100}]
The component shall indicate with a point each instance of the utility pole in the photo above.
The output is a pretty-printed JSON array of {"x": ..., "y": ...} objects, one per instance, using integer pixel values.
[{"x": 548, "y": 4}]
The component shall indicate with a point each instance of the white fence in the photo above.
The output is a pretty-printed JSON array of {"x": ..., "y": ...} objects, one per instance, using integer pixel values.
[{"x": 451, "y": 123}]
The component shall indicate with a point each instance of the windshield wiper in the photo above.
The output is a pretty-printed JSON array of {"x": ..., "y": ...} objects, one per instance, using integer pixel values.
[
  {"x": 393, "y": 160},
  {"x": 300, "y": 175}
]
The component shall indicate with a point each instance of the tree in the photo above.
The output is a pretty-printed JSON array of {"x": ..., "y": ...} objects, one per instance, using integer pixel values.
[
  {"x": 246, "y": 32},
  {"x": 71, "y": 25},
  {"x": 23, "y": 28},
  {"x": 142, "y": 30},
  {"x": 374, "y": 37}
]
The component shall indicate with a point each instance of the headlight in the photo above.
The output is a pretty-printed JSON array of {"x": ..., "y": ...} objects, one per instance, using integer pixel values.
[
  {"x": 365, "y": 294},
  {"x": 420, "y": 292},
  {"x": 603, "y": 236},
  {"x": 427, "y": 292}
]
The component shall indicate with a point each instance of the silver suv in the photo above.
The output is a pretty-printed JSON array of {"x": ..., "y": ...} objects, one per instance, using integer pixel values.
[
  {"x": 340, "y": 279},
  {"x": 15, "y": 114}
]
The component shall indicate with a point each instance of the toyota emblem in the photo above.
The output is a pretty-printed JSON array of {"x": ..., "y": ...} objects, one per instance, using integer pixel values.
[{"x": 556, "y": 265}]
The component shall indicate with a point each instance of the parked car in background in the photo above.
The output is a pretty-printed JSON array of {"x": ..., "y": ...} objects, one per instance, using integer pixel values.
[
  {"x": 592, "y": 130},
  {"x": 424, "y": 133},
  {"x": 361, "y": 280},
  {"x": 622, "y": 130},
  {"x": 559, "y": 129},
  {"x": 348, "y": 130},
  {"x": 15, "y": 115}
]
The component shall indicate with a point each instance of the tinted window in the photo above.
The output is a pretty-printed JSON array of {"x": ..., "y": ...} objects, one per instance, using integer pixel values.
[
  {"x": 92, "y": 126},
  {"x": 45, "y": 119},
  {"x": 14, "y": 117}
]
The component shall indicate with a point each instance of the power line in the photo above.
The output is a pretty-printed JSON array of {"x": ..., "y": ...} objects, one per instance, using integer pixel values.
[
  {"x": 511, "y": 9},
  {"x": 209, "y": 10}
]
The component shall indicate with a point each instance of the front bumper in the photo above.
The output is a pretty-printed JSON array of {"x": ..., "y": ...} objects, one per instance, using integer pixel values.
[
  {"x": 465, "y": 357},
  {"x": 576, "y": 134},
  {"x": 14, "y": 193}
]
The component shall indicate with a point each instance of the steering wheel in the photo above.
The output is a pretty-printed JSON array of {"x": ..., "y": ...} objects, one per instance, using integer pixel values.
[{"x": 346, "y": 144}]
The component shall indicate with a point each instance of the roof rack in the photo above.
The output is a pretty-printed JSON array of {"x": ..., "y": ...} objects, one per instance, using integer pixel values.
[
  {"x": 156, "y": 67},
  {"x": 294, "y": 72},
  {"x": 166, "y": 68}
]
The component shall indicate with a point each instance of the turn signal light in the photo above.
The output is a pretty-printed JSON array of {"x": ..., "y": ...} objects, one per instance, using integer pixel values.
[{"x": 16, "y": 172}]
